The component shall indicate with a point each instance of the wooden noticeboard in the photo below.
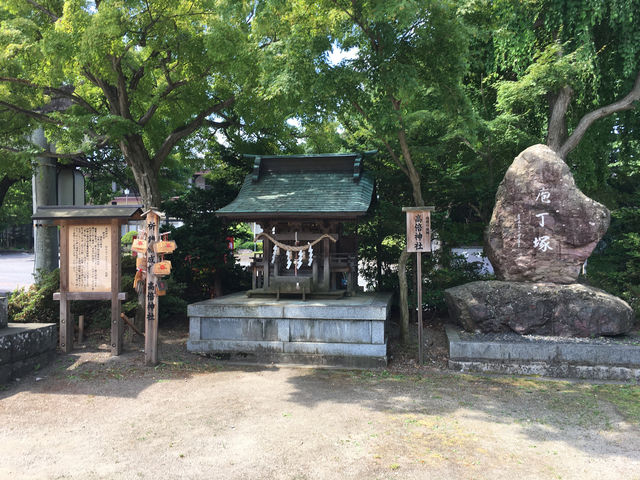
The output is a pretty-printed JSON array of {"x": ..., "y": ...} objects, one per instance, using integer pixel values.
[
  {"x": 89, "y": 262},
  {"x": 90, "y": 270}
]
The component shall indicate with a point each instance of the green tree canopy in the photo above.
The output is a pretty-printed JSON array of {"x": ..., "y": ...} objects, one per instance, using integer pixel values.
[
  {"x": 140, "y": 75},
  {"x": 398, "y": 87}
]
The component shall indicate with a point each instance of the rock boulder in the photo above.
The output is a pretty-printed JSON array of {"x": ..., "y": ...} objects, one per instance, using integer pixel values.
[
  {"x": 538, "y": 308},
  {"x": 543, "y": 227}
]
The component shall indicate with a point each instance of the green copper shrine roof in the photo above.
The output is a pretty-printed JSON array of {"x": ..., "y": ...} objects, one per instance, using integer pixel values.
[{"x": 304, "y": 186}]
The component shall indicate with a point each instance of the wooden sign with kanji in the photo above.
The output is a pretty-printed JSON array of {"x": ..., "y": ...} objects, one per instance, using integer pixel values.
[{"x": 418, "y": 229}]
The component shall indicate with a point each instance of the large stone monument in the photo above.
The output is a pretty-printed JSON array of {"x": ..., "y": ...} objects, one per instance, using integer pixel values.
[{"x": 542, "y": 230}]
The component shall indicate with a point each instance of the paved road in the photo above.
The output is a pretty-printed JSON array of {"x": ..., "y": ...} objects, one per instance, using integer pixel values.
[{"x": 16, "y": 270}]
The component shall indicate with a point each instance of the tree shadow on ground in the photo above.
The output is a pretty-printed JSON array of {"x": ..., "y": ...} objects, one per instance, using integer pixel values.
[
  {"x": 90, "y": 368},
  {"x": 573, "y": 413}
]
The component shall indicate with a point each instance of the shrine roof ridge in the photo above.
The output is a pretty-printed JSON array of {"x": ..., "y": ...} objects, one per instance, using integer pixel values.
[
  {"x": 72, "y": 212},
  {"x": 315, "y": 155},
  {"x": 334, "y": 187}
]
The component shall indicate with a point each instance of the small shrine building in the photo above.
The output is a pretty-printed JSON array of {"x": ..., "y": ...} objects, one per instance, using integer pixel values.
[
  {"x": 302, "y": 203},
  {"x": 306, "y": 206}
]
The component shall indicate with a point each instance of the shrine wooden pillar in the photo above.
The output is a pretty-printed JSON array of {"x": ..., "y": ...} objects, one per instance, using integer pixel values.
[
  {"x": 326, "y": 248},
  {"x": 276, "y": 263},
  {"x": 314, "y": 273},
  {"x": 266, "y": 257}
]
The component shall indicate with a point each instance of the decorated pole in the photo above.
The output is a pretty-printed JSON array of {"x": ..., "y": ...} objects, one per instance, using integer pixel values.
[
  {"x": 152, "y": 266},
  {"x": 152, "y": 219},
  {"x": 151, "y": 300},
  {"x": 419, "y": 240}
]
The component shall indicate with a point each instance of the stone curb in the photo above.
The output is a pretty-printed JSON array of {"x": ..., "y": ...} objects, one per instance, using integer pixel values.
[{"x": 554, "y": 359}]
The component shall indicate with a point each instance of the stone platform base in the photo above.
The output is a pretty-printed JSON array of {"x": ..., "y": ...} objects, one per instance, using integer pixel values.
[
  {"x": 348, "y": 332},
  {"x": 595, "y": 359},
  {"x": 25, "y": 346}
]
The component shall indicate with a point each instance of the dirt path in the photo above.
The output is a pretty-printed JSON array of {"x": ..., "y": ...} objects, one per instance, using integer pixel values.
[{"x": 92, "y": 417}]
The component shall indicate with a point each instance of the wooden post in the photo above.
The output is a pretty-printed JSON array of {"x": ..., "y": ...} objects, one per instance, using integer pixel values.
[
  {"x": 314, "y": 272},
  {"x": 151, "y": 299},
  {"x": 419, "y": 240},
  {"x": 266, "y": 257},
  {"x": 276, "y": 264},
  {"x": 419, "y": 304},
  {"x": 116, "y": 321},
  {"x": 80, "y": 328},
  {"x": 326, "y": 275},
  {"x": 66, "y": 322}
]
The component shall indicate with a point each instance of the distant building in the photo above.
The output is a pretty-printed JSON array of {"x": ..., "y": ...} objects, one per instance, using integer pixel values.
[
  {"x": 199, "y": 180},
  {"x": 475, "y": 254},
  {"x": 127, "y": 200}
]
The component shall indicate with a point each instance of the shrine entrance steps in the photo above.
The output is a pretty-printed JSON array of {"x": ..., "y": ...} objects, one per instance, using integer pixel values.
[{"x": 347, "y": 332}]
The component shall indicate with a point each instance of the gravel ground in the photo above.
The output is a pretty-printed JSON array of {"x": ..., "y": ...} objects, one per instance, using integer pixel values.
[{"x": 92, "y": 416}]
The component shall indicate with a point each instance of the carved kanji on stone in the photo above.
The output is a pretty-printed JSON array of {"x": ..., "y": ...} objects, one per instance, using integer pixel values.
[{"x": 543, "y": 227}]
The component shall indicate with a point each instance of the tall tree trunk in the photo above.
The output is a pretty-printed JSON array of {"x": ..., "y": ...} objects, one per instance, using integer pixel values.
[
  {"x": 404, "y": 295},
  {"x": 413, "y": 174},
  {"x": 44, "y": 194},
  {"x": 145, "y": 173},
  {"x": 416, "y": 190},
  {"x": 557, "y": 129}
]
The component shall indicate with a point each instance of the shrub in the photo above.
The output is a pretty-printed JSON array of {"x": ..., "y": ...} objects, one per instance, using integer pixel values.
[
  {"x": 443, "y": 269},
  {"x": 127, "y": 238},
  {"x": 203, "y": 262},
  {"x": 35, "y": 304}
]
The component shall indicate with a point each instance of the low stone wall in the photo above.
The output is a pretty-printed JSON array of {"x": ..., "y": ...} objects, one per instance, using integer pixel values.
[
  {"x": 25, "y": 347},
  {"x": 599, "y": 358}
]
